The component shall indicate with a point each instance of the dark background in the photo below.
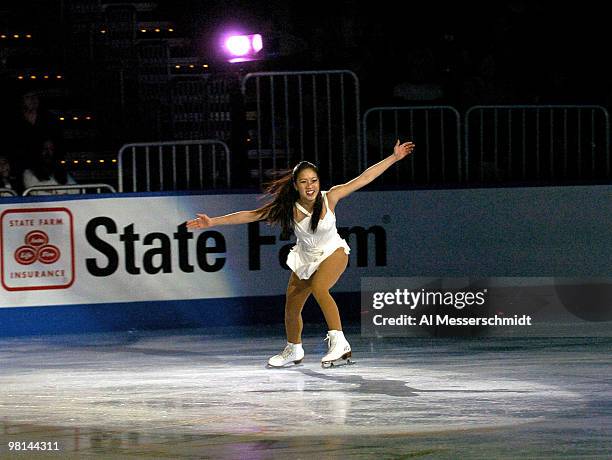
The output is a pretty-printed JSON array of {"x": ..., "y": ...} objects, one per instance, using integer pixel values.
[
  {"x": 447, "y": 53},
  {"x": 547, "y": 50}
]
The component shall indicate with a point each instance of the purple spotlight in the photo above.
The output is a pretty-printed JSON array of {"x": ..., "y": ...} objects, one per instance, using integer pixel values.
[
  {"x": 238, "y": 45},
  {"x": 243, "y": 47}
]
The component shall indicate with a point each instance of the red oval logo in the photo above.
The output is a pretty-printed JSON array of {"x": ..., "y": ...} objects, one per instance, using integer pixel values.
[
  {"x": 48, "y": 254},
  {"x": 25, "y": 255},
  {"x": 36, "y": 238}
]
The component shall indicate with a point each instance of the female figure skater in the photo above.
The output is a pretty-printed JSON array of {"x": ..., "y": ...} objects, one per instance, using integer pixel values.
[{"x": 319, "y": 257}]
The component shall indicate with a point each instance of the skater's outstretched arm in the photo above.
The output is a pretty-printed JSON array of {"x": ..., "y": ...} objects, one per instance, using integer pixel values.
[
  {"x": 337, "y": 192},
  {"x": 240, "y": 217}
]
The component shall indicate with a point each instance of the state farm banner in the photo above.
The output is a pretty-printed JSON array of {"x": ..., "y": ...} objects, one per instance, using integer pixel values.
[
  {"x": 137, "y": 248},
  {"x": 127, "y": 248}
]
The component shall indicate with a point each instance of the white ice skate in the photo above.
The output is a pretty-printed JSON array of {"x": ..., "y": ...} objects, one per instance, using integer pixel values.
[
  {"x": 293, "y": 353},
  {"x": 338, "y": 350}
]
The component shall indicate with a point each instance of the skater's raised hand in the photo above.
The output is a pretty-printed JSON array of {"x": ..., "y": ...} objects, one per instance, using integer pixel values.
[
  {"x": 402, "y": 150},
  {"x": 201, "y": 221}
]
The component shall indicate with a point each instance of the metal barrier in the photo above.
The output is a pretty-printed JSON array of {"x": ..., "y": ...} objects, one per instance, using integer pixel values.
[
  {"x": 77, "y": 189},
  {"x": 434, "y": 129},
  {"x": 178, "y": 165},
  {"x": 4, "y": 192},
  {"x": 311, "y": 115},
  {"x": 519, "y": 143}
]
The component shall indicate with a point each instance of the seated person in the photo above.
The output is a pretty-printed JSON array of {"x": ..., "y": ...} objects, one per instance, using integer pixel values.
[
  {"x": 29, "y": 125},
  {"x": 47, "y": 170},
  {"x": 6, "y": 180}
]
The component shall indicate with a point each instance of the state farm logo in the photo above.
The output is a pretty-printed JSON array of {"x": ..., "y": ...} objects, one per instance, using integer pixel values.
[{"x": 37, "y": 249}]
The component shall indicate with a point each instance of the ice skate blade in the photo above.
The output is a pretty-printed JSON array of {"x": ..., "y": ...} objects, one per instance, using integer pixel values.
[
  {"x": 289, "y": 364},
  {"x": 337, "y": 363}
]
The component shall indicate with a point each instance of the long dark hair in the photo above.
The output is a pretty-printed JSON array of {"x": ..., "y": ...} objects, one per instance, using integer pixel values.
[{"x": 284, "y": 195}]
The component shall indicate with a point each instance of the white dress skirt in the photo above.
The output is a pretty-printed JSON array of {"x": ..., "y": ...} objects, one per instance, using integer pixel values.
[{"x": 313, "y": 248}]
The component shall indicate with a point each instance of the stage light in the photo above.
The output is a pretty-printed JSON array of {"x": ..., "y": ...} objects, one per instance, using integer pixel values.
[
  {"x": 243, "y": 47},
  {"x": 238, "y": 45}
]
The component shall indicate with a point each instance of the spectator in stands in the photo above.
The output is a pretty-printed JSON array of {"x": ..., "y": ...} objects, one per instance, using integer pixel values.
[
  {"x": 48, "y": 170},
  {"x": 6, "y": 180},
  {"x": 30, "y": 127}
]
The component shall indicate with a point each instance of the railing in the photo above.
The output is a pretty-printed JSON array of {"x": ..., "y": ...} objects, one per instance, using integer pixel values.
[
  {"x": 296, "y": 116},
  {"x": 68, "y": 189},
  {"x": 6, "y": 192},
  {"x": 178, "y": 165},
  {"x": 436, "y": 131},
  {"x": 544, "y": 143},
  {"x": 489, "y": 144}
]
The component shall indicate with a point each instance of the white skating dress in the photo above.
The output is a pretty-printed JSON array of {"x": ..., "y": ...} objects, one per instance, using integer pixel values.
[{"x": 313, "y": 248}]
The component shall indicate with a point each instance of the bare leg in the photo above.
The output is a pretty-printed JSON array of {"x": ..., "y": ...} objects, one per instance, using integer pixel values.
[
  {"x": 297, "y": 293},
  {"x": 323, "y": 280}
]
